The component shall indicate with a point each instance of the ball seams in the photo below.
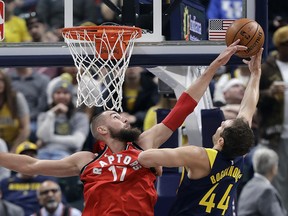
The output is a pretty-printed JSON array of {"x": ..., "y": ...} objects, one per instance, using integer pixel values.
[
  {"x": 250, "y": 34},
  {"x": 241, "y": 29}
]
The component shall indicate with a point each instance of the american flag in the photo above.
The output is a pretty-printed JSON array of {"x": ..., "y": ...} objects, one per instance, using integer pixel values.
[{"x": 217, "y": 28}]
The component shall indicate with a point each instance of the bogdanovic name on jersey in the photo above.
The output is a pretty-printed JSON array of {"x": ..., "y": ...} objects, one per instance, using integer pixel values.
[{"x": 231, "y": 171}]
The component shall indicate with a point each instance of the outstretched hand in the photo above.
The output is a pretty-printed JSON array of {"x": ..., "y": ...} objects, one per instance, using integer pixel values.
[
  {"x": 254, "y": 63},
  {"x": 225, "y": 56}
]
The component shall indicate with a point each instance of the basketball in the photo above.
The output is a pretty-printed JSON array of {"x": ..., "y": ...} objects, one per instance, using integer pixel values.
[{"x": 250, "y": 34}]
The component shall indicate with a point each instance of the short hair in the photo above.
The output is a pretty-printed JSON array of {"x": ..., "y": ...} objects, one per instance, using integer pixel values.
[
  {"x": 32, "y": 18},
  {"x": 264, "y": 160},
  {"x": 95, "y": 122},
  {"x": 238, "y": 139}
]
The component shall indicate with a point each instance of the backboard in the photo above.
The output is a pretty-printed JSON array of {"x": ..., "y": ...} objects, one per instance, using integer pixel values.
[{"x": 164, "y": 44}]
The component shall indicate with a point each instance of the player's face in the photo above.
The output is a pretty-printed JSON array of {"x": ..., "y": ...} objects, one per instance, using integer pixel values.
[
  {"x": 120, "y": 128},
  {"x": 220, "y": 129},
  {"x": 125, "y": 135},
  {"x": 115, "y": 120}
]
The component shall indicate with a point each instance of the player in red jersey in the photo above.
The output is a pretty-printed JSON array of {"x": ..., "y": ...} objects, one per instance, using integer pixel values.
[
  {"x": 114, "y": 182},
  {"x": 211, "y": 175}
]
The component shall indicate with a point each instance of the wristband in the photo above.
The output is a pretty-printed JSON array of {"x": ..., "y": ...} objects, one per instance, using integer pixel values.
[{"x": 184, "y": 106}]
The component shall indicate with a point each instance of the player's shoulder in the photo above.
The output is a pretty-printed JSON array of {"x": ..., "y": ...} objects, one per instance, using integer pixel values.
[{"x": 83, "y": 156}]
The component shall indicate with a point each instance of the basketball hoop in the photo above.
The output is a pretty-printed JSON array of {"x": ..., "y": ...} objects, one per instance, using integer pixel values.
[{"x": 101, "y": 55}]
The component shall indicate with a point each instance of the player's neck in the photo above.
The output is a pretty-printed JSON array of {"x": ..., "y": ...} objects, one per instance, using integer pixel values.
[{"x": 116, "y": 145}]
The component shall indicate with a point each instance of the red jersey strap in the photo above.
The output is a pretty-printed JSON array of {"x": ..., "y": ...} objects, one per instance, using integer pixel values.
[
  {"x": 184, "y": 106},
  {"x": 105, "y": 148},
  {"x": 136, "y": 146}
]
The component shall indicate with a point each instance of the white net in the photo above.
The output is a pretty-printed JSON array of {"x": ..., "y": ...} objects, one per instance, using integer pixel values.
[{"x": 101, "y": 58}]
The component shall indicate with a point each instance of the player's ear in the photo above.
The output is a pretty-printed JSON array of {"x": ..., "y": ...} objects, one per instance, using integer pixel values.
[
  {"x": 220, "y": 142},
  {"x": 102, "y": 130}
]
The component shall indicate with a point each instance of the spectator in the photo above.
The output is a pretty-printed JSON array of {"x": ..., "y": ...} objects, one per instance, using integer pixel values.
[
  {"x": 276, "y": 22},
  {"x": 71, "y": 74},
  {"x": 62, "y": 130},
  {"x": 25, "y": 6},
  {"x": 139, "y": 94},
  {"x": 4, "y": 173},
  {"x": 19, "y": 188},
  {"x": 166, "y": 101},
  {"x": 9, "y": 209},
  {"x": 110, "y": 15},
  {"x": 258, "y": 196},
  {"x": 272, "y": 108},
  {"x": 276, "y": 10},
  {"x": 277, "y": 17},
  {"x": 224, "y": 9},
  {"x": 49, "y": 196},
  {"x": 14, "y": 114},
  {"x": 63, "y": 77},
  {"x": 52, "y": 13},
  {"x": 15, "y": 29},
  {"x": 233, "y": 93},
  {"x": 242, "y": 73},
  {"x": 39, "y": 30},
  {"x": 33, "y": 86}
]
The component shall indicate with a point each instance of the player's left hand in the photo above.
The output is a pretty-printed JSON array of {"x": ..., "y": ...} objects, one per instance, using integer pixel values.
[{"x": 225, "y": 56}]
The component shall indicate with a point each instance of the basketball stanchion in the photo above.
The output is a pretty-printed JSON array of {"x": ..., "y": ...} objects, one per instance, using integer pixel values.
[{"x": 101, "y": 55}]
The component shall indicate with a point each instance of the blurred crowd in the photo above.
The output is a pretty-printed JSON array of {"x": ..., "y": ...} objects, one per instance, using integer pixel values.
[{"x": 39, "y": 118}]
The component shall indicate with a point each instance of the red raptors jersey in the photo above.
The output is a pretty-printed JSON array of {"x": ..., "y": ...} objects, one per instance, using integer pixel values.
[{"x": 116, "y": 184}]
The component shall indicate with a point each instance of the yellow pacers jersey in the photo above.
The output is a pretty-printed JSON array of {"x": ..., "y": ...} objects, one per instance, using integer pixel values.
[
  {"x": 211, "y": 195},
  {"x": 131, "y": 95},
  {"x": 15, "y": 30},
  {"x": 9, "y": 127}
]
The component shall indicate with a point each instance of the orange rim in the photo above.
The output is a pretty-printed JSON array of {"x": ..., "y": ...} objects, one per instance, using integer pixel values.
[{"x": 97, "y": 31}]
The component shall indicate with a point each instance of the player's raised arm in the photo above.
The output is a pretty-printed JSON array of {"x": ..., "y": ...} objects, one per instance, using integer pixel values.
[
  {"x": 69, "y": 166},
  {"x": 251, "y": 95},
  {"x": 186, "y": 103},
  {"x": 198, "y": 88}
]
